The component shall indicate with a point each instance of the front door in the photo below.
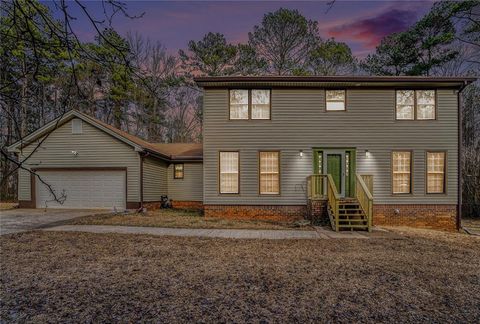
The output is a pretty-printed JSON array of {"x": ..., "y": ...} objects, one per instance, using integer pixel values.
[{"x": 334, "y": 164}]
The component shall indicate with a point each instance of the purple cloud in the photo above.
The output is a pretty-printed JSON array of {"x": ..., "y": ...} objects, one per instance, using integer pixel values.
[{"x": 370, "y": 31}]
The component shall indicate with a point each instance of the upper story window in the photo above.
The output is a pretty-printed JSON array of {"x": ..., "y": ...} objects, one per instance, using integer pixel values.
[
  {"x": 249, "y": 104},
  {"x": 402, "y": 172},
  {"x": 239, "y": 104},
  {"x": 76, "y": 126},
  {"x": 229, "y": 172},
  {"x": 335, "y": 100},
  {"x": 415, "y": 105},
  {"x": 178, "y": 171}
]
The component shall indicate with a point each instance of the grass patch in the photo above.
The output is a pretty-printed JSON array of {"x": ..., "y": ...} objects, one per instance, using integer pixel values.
[
  {"x": 414, "y": 276},
  {"x": 8, "y": 205},
  {"x": 176, "y": 218}
]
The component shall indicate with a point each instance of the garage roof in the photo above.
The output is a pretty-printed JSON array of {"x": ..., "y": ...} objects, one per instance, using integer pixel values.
[{"x": 169, "y": 152}]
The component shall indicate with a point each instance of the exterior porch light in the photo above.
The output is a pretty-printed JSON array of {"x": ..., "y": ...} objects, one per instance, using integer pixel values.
[
  {"x": 301, "y": 153},
  {"x": 367, "y": 154}
]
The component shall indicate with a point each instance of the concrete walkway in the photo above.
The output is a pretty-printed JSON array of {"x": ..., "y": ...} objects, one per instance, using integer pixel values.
[
  {"x": 318, "y": 233},
  {"x": 22, "y": 219}
]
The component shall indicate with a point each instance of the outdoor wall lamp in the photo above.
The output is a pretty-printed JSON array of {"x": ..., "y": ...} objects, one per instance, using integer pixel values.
[
  {"x": 75, "y": 153},
  {"x": 367, "y": 154},
  {"x": 301, "y": 153}
]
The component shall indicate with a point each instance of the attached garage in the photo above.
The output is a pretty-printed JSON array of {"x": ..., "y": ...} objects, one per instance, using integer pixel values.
[
  {"x": 82, "y": 189},
  {"x": 94, "y": 165}
]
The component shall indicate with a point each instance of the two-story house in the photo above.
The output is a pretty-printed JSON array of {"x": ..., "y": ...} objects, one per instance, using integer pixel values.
[
  {"x": 382, "y": 147},
  {"x": 361, "y": 150}
]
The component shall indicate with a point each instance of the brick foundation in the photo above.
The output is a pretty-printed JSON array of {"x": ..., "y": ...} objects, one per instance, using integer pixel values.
[
  {"x": 26, "y": 204},
  {"x": 152, "y": 205},
  {"x": 317, "y": 211},
  {"x": 194, "y": 205},
  {"x": 439, "y": 217},
  {"x": 133, "y": 205},
  {"x": 263, "y": 212}
]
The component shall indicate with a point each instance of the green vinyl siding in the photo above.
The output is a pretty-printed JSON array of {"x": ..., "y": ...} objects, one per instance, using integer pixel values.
[
  {"x": 190, "y": 187},
  {"x": 299, "y": 122},
  {"x": 96, "y": 149},
  {"x": 154, "y": 179}
]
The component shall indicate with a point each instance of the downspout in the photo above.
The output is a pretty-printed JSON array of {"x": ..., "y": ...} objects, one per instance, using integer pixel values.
[
  {"x": 460, "y": 152},
  {"x": 142, "y": 157}
]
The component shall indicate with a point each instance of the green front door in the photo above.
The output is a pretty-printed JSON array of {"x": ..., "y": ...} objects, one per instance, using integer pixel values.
[{"x": 334, "y": 167}]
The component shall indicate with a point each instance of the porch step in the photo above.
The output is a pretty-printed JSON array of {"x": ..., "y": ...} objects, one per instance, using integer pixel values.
[
  {"x": 351, "y": 210},
  {"x": 350, "y": 215},
  {"x": 347, "y": 217},
  {"x": 352, "y": 227}
]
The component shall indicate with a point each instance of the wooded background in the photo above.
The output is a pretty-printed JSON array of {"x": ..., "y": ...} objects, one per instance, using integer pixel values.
[{"x": 133, "y": 83}]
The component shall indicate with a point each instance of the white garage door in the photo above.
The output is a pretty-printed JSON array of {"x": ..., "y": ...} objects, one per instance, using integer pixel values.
[{"x": 82, "y": 189}]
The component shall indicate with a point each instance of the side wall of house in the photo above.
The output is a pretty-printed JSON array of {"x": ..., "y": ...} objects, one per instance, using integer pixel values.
[
  {"x": 96, "y": 149},
  {"x": 299, "y": 121},
  {"x": 190, "y": 188},
  {"x": 154, "y": 179}
]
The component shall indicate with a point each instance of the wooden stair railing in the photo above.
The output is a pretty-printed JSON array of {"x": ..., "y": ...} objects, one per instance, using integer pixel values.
[
  {"x": 343, "y": 213},
  {"x": 316, "y": 186},
  {"x": 333, "y": 203},
  {"x": 365, "y": 199}
]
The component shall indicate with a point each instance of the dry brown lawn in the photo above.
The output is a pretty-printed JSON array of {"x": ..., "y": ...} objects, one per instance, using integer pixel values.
[
  {"x": 8, "y": 205},
  {"x": 180, "y": 219},
  {"x": 413, "y": 276}
]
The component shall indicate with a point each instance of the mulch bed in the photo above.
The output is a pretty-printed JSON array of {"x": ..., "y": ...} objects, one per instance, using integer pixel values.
[{"x": 414, "y": 276}]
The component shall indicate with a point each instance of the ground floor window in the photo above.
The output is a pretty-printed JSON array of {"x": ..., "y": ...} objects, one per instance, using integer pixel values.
[
  {"x": 178, "y": 171},
  {"x": 229, "y": 172},
  {"x": 401, "y": 172},
  {"x": 269, "y": 173},
  {"x": 435, "y": 172}
]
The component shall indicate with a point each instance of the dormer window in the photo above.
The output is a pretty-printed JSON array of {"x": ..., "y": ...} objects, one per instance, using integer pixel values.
[
  {"x": 249, "y": 104},
  {"x": 76, "y": 126}
]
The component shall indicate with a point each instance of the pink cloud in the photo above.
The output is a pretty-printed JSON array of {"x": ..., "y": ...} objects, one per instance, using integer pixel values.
[{"x": 370, "y": 31}]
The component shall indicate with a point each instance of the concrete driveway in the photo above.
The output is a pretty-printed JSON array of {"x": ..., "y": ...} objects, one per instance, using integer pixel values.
[{"x": 21, "y": 220}]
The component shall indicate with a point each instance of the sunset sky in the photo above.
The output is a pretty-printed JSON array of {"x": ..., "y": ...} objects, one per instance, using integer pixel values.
[{"x": 361, "y": 24}]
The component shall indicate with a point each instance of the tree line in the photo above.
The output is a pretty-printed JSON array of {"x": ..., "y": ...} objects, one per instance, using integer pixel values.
[{"x": 134, "y": 83}]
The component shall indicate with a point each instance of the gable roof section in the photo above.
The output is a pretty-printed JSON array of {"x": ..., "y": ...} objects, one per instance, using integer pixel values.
[{"x": 168, "y": 152}]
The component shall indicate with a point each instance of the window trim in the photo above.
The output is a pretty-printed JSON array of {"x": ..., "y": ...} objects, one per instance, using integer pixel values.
[
  {"x": 335, "y": 89},
  {"x": 279, "y": 173},
  {"x": 411, "y": 172},
  {"x": 183, "y": 171},
  {"x": 435, "y": 106},
  {"x": 445, "y": 170},
  {"x": 250, "y": 105},
  {"x": 219, "y": 174}
]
